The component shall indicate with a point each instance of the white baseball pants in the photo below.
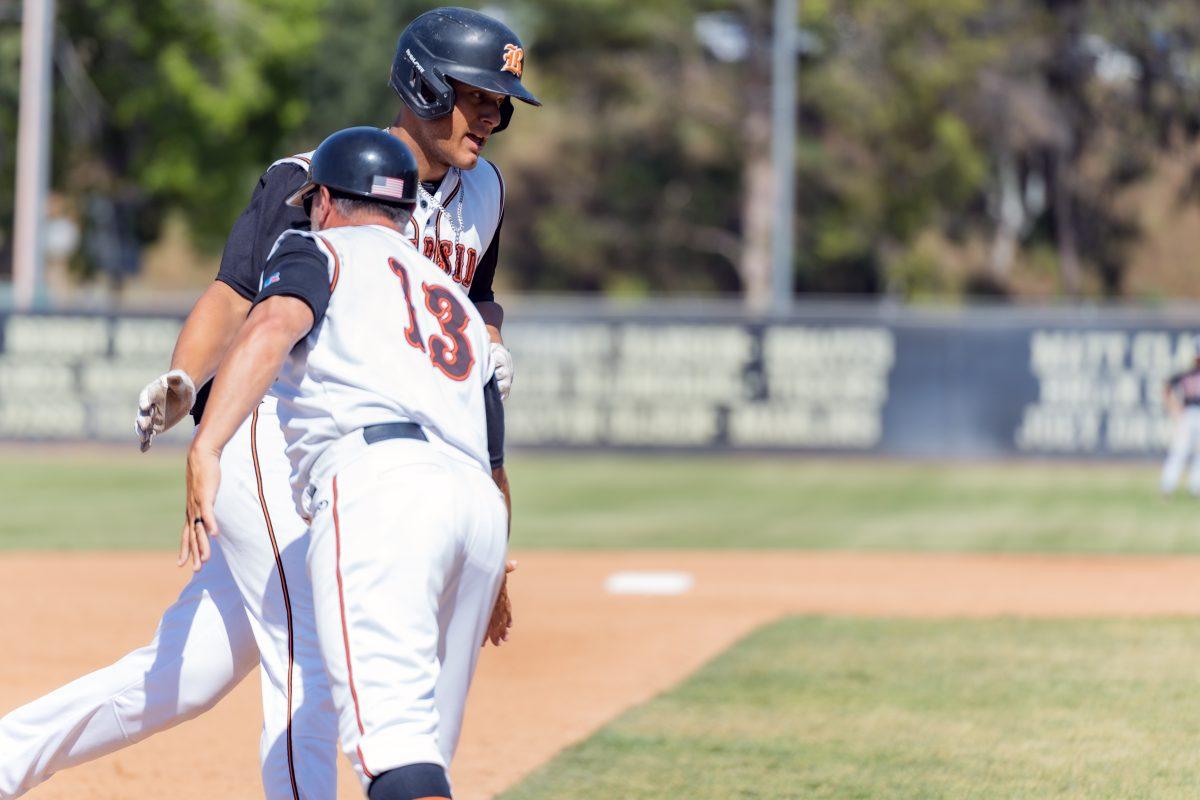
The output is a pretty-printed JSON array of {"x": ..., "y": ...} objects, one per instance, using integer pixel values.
[
  {"x": 252, "y": 597},
  {"x": 406, "y": 559},
  {"x": 1185, "y": 443}
]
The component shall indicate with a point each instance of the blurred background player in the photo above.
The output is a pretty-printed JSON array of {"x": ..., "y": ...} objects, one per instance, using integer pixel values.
[
  {"x": 1181, "y": 396},
  {"x": 456, "y": 71}
]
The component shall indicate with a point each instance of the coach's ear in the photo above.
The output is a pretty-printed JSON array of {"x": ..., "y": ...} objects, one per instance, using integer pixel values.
[{"x": 322, "y": 208}]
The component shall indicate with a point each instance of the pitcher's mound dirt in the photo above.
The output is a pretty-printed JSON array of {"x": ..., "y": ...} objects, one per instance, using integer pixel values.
[{"x": 578, "y": 656}]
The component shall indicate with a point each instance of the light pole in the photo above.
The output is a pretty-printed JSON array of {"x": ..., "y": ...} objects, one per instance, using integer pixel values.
[
  {"x": 783, "y": 152},
  {"x": 33, "y": 151}
]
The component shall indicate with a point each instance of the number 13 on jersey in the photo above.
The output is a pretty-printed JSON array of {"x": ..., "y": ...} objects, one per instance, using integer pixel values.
[{"x": 451, "y": 352}]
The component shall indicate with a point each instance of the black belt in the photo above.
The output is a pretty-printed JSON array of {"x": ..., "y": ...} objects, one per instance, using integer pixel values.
[{"x": 393, "y": 430}]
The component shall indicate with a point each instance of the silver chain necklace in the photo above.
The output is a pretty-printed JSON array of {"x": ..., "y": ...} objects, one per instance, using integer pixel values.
[{"x": 456, "y": 224}]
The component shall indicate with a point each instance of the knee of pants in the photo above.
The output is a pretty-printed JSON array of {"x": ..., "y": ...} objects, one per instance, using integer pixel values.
[
  {"x": 197, "y": 656},
  {"x": 412, "y": 782},
  {"x": 181, "y": 691}
]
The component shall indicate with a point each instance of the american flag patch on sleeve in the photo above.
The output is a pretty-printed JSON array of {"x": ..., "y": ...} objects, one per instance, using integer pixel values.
[{"x": 391, "y": 188}]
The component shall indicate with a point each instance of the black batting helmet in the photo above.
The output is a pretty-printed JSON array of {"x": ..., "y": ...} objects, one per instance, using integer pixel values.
[
  {"x": 464, "y": 45},
  {"x": 363, "y": 162}
]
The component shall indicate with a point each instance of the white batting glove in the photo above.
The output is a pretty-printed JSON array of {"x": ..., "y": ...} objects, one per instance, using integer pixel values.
[
  {"x": 502, "y": 362},
  {"x": 165, "y": 400}
]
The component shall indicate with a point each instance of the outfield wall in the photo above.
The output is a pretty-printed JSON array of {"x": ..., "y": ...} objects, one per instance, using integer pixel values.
[{"x": 830, "y": 378}]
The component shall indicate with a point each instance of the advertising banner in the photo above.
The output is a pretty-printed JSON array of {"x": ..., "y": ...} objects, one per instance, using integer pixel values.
[{"x": 870, "y": 380}]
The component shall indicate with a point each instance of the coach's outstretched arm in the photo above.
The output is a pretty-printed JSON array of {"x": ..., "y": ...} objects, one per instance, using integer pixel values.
[{"x": 247, "y": 371}]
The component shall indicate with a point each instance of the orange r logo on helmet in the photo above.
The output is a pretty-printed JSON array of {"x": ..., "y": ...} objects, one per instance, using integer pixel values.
[{"x": 514, "y": 60}]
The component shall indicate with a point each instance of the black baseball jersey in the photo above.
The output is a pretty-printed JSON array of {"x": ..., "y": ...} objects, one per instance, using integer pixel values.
[
  {"x": 268, "y": 216},
  {"x": 1187, "y": 385}
]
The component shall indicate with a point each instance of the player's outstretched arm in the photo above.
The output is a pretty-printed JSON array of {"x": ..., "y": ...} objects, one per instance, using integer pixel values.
[
  {"x": 221, "y": 310},
  {"x": 207, "y": 332},
  {"x": 274, "y": 327}
]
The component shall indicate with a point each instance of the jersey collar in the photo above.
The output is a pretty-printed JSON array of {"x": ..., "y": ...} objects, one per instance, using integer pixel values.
[{"x": 448, "y": 185}]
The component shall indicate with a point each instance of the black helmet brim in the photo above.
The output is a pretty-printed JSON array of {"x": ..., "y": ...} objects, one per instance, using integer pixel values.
[
  {"x": 296, "y": 199},
  {"x": 505, "y": 83}
]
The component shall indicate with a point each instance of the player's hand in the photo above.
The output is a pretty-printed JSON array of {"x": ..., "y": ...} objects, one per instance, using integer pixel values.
[
  {"x": 203, "y": 478},
  {"x": 502, "y": 619},
  {"x": 164, "y": 401},
  {"x": 502, "y": 360}
]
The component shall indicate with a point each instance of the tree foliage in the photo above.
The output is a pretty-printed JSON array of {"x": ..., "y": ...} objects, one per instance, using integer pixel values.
[
  {"x": 1018, "y": 124},
  {"x": 166, "y": 104},
  {"x": 946, "y": 145},
  {"x": 634, "y": 187}
]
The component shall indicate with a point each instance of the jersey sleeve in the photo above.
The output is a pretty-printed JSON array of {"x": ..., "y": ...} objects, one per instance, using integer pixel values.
[
  {"x": 493, "y": 408},
  {"x": 259, "y": 226},
  {"x": 300, "y": 268}
]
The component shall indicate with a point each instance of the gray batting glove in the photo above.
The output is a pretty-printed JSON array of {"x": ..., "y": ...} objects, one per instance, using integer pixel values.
[
  {"x": 502, "y": 363},
  {"x": 165, "y": 400}
]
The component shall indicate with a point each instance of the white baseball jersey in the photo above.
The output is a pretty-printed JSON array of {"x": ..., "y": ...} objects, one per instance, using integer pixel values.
[
  {"x": 455, "y": 223},
  {"x": 394, "y": 339},
  {"x": 407, "y": 538}
]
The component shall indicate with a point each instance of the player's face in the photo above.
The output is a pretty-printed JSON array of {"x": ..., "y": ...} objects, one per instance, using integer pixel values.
[{"x": 456, "y": 139}]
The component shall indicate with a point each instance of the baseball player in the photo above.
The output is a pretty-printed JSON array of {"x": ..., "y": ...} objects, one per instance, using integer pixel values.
[
  {"x": 457, "y": 72},
  {"x": 1181, "y": 396},
  {"x": 385, "y": 365}
]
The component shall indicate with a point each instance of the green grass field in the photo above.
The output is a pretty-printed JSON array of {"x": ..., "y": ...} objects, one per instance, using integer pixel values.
[
  {"x": 119, "y": 499},
  {"x": 809, "y": 708},
  {"x": 875, "y": 709}
]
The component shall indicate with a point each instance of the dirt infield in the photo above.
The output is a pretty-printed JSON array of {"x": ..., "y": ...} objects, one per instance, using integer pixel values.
[{"x": 579, "y": 655}]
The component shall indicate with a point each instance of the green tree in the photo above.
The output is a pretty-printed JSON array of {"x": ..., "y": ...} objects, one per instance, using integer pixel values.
[
  {"x": 1002, "y": 133},
  {"x": 1125, "y": 78},
  {"x": 1020, "y": 123},
  {"x": 887, "y": 151},
  {"x": 348, "y": 80},
  {"x": 165, "y": 104},
  {"x": 626, "y": 180}
]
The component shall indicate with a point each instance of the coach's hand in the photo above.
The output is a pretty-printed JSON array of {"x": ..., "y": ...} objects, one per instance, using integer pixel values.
[
  {"x": 164, "y": 401},
  {"x": 203, "y": 478},
  {"x": 502, "y": 360},
  {"x": 502, "y": 620}
]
